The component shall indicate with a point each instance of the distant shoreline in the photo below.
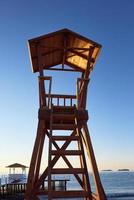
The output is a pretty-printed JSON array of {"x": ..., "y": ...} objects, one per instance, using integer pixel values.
[
  {"x": 123, "y": 170},
  {"x": 118, "y": 170}
]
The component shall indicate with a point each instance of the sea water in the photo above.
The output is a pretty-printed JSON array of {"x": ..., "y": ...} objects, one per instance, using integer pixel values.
[{"x": 117, "y": 185}]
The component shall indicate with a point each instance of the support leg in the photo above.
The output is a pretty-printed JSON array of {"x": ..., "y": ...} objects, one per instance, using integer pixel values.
[
  {"x": 35, "y": 160},
  {"x": 100, "y": 192},
  {"x": 86, "y": 183}
]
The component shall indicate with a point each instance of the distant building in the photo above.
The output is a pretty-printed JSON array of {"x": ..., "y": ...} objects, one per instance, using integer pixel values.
[{"x": 17, "y": 173}]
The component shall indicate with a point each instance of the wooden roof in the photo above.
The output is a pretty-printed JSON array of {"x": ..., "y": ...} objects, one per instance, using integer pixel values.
[
  {"x": 63, "y": 47},
  {"x": 16, "y": 165}
]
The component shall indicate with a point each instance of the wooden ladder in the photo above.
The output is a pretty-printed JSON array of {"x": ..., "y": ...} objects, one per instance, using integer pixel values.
[{"x": 76, "y": 135}]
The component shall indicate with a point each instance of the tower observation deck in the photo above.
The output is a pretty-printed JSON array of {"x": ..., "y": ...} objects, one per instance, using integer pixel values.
[{"x": 64, "y": 114}]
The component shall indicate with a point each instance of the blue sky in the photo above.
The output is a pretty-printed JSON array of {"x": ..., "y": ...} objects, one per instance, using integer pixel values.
[{"x": 111, "y": 89}]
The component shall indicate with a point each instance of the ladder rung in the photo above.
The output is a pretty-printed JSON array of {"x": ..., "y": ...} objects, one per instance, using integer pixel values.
[
  {"x": 66, "y": 152},
  {"x": 64, "y": 137},
  {"x": 63, "y": 116},
  {"x": 69, "y": 194},
  {"x": 63, "y": 126},
  {"x": 63, "y": 108},
  {"x": 67, "y": 171}
]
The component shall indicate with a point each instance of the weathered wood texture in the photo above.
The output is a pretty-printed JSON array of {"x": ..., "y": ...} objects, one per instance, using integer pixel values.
[{"x": 63, "y": 47}]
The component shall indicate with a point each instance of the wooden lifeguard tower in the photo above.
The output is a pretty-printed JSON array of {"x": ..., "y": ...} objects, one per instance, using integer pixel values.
[{"x": 71, "y": 52}]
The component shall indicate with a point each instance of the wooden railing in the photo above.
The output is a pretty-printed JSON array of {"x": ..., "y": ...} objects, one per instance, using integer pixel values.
[
  {"x": 12, "y": 189},
  {"x": 60, "y": 100},
  {"x": 7, "y": 190},
  {"x": 47, "y": 99}
]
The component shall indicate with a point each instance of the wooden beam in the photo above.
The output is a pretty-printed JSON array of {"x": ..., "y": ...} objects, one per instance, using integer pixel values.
[
  {"x": 33, "y": 164},
  {"x": 64, "y": 137},
  {"x": 77, "y": 53},
  {"x": 62, "y": 96},
  {"x": 63, "y": 47},
  {"x": 39, "y": 61},
  {"x": 87, "y": 72},
  {"x": 67, "y": 152},
  {"x": 82, "y": 92},
  {"x": 53, "y": 162},
  {"x": 47, "y": 53},
  {"x": 91, "y": 156},
  {"x": 50, "y": 155},
  {"x": 74, "y": 66},
  {"x": 63, "y": 116},
  {"x": 59, "y": 126},
  {"x": 58, "y": 69},
  {"x": 86, "y": 182},
  {"x": 37, "y": 171},
  {"x": 66, "y": 194},
  {"x": 67, "y": 161},
  {"x": 64, "y": 50},
  {"x": 67, "y": 171}
]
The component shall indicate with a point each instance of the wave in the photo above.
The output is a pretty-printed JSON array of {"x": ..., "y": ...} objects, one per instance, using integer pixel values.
[{"x": 120, "y": 195}]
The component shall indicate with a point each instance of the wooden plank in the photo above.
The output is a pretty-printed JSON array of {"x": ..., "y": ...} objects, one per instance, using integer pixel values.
[
  {"x": 64, "y": 50},
  {"x": 38, "y": 162},
  {"x": 86, "y": 183},
  {"x": 66, "y": 152},
  {"x": 63, "y": 126},
  {"x": 42, "y": 98},
  {"x": 82, "y": 84},
  {"x": 88, "y": 69},
  {"x": 91, "y": 156},
  {"x": 65, "y": 194},
  {"x": 55, "y": 48},
  {"x": 32, "y": 169},
  {"x": 67, "y": 171},
  {"x": 60, "y": 112},
  {"x": 50, "y": 155},
  {"x": 69, "y": 164},
  {"x": 79, "y": 54},
  {"x": 63, "y": 109},
  {"x": 69, "y": 194},
  {"x": 74, "y": 66},
  {"x": 63, "y": 116},
  {"x": 45, "y": 173},
  {"x": 58, "y": 69},
  {"x": 41, "y": 84},
  {"x": 62, "y": 96},
  {"x": 45, "y": 78},
  {"x": 64, "y": 137}
]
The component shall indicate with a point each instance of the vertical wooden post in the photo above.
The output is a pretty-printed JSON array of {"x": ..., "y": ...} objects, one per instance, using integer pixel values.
[
  {"x": 36, "y": 152},
  {"x": 42, "y": 139},
  {"x": 50, "y": 157},
  {"x": 41, "y": 74},
  {"x": 49, "y": 93},
  {"x": 90, "y": 153},
  {"x": 86, "y": 183}
]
